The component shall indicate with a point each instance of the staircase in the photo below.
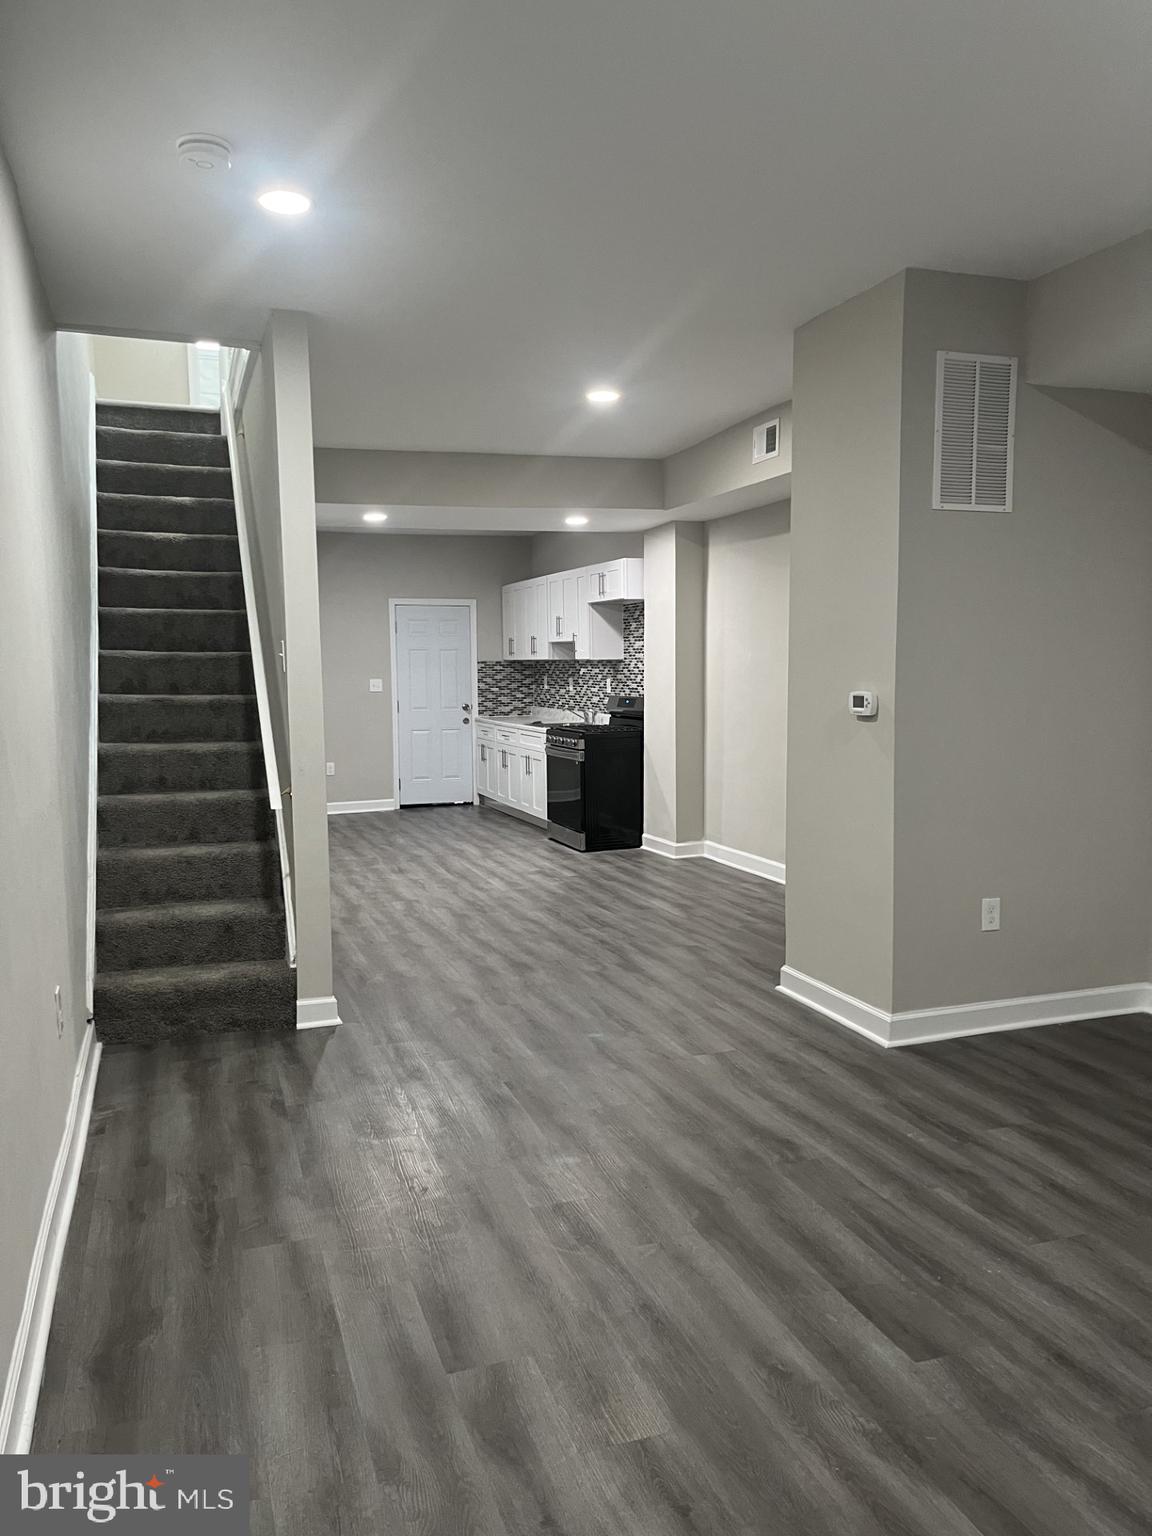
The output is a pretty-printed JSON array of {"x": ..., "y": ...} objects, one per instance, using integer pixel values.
[{"x": 190, "y": 933}]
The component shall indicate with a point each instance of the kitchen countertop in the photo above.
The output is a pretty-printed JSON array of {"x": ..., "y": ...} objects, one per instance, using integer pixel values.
[{"x": 547, "y": 716}]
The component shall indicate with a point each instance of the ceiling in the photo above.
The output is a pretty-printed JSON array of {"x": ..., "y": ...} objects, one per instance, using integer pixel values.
[{"x": 516, "y": 199}]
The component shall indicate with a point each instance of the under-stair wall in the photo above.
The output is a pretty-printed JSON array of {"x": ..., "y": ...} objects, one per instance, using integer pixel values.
[{"x": 268, "y": 420}]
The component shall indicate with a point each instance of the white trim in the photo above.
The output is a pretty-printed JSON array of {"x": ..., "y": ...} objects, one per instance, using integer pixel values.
[
  {"x": 157, "y": 405},
  {"x": 717, "y": 853},
  {"x": 26, "y": 1368},
  {"x": 429, "y": 602},
  {"x": 924, "y": 1025},
  {"x": 316, "y": 1012},
  {"x": 353, "y": 807},
  {"x": 237, "y": 460},
  {"x": 670, "y": 850},
  {"x": 750, "y": 863},
  {"x": 833, "y": 1004},
  {"x": 93, "y": 709}
]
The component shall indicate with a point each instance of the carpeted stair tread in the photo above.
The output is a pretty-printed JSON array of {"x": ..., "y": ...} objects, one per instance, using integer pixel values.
[
  {"x": 125, "y": 512},
  {"x": 170, "y": 589},
  {"x": 188, "y": 933},
  {"x": 179, "y": 717},
  {"x": 163, "y": 479},
  {"x": 139, "y": 550},
  {"x": 143, "y": 877},
  {"x": 157, "y": 418},
  {"x": 150, "y": 767},
  {"x": 184, "y": 816},
  {"x": 174, "y": 629},
  {"x": 170, "y": 1002},
  {"x": 176, "y": 672},
  {"x": 138, "y": 445}
]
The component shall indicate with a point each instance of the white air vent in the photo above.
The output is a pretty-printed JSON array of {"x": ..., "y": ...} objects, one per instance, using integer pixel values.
[
  {"x": 765, "y": 441},
  {"x": 975, "y": 430}
]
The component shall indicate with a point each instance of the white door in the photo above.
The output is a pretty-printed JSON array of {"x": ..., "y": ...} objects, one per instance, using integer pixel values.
[{"x": 434, "y": 703}]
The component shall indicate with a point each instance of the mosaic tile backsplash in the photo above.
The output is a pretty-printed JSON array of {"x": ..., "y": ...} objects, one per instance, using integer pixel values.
[{"x": 519, "y": 687}]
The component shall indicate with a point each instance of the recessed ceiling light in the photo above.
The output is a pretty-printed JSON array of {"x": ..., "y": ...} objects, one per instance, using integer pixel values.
[
  {"x": 375, "y": 517},
  {"x": 207, "y": 346},
  {"x": 282, "y": 200},
  {"x": 603, "y": 394},
  {"x": 576, "y": 521}
]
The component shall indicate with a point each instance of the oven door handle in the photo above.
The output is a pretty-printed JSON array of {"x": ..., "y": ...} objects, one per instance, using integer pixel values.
[{"x": 569, "y": 754}]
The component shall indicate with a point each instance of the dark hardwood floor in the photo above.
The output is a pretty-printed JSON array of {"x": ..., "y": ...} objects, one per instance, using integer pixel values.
[{"x": 578, "y": 1227}]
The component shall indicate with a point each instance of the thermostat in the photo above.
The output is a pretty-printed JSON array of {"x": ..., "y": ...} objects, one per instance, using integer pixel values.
[{"x": 862, "y": 702}]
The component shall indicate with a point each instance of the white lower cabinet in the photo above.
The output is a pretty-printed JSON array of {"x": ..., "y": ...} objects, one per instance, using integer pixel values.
[{"x": 512, "y": 768}]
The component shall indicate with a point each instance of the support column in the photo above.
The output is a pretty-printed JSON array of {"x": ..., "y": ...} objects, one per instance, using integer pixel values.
[{"x": 675, "y": 575}]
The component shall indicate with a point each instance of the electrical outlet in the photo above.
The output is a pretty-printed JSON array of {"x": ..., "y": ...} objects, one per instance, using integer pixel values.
[
  {"x": 990, "y": 914},
  {"x": 330, "y": 769},
  {"x": 375, "y": 685},
  {"x": 59, "y": 1013}
]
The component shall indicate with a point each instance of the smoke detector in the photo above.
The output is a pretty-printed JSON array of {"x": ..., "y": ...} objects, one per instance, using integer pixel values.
[{"x": 202, "y": 152}]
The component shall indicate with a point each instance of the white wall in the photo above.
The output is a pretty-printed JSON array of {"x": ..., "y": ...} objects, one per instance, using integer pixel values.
[
  {"x": 359, "y": 573},
  {"x": 45, "y": 658},
  {"x": 130, "y": 368},
  {"x": 746, "y": 684}
]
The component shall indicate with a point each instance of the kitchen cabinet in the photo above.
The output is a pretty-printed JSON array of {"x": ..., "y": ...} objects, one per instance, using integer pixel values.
[
  {"x": 571, "y": 615},
  {"x": 616, "y": 581},
  {"x": 534, "y": 784},
  {"x": 564, "y": 608},
  {"x": 525, "y": 606},
  {"x": 512, "y": 768}
]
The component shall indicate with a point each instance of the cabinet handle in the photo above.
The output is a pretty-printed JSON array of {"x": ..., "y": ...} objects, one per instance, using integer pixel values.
[
  {"x": 528, "y": 766},
  {"x": 503, "y": 758},
  {"x": 559, "y": 622},
  {"x": 511, "y": 647},
  {"x": 533, "y": 645},
  {"x": 601, "y": 576},
  {"x": 483, "y": 750}
]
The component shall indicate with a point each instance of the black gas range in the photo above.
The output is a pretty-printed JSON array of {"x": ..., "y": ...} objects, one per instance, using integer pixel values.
[{"x": 596, "y": 779}]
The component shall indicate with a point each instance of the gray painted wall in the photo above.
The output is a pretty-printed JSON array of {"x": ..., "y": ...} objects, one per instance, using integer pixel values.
[
  {"x": 359, "y": 573},
  {"x": 552, "y": 552},
  {"x": 45, "y": 696},
  {"x": 723, "y": 462},
  {"x": 842, "y": 634},
  {"x": 364, "y": 475},
  {"x": 746, "y": 710},
  {"x": 1090, "y": 323},
  {"x": 1024, "y": 665},
  {"x": 675, "y": 573}
]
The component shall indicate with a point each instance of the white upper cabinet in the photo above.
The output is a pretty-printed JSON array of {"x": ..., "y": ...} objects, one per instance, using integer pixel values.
[
  {"x": 572, "y": 615},
  {"x": 526, "y": 620},
  {"x": 617, "y": 581}
]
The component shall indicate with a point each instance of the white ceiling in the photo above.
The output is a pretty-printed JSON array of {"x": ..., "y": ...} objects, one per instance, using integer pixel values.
[{"x": 517, "y": 198}]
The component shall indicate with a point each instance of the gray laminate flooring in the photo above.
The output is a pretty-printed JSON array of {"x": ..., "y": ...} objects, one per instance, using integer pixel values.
[{"x": 577, "y": 1227}]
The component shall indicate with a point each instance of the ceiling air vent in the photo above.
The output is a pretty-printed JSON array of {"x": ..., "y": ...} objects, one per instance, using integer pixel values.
[
  {"x": 975, "y": 429},
  {"x": 765, "y": 441}
]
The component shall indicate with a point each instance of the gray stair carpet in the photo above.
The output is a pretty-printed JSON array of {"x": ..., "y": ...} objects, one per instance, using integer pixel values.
[{"x": 190, "y": 933}]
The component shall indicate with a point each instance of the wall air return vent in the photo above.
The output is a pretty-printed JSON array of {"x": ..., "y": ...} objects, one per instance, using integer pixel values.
[
  {"x": 766, "y": 440},
  {"x": 975, "y": 430}
]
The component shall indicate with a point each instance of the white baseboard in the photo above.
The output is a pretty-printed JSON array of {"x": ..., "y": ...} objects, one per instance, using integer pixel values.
[
  {"x": 353, "y": 807},
  {"x": 26, "y": 1368},
  {"x": 735, "y": 858},
  {"x": 924, "y": 1025},
  {"x": 316, "y": 1012}
]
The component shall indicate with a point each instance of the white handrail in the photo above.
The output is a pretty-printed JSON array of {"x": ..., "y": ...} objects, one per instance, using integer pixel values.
[{"x": 267, "y": 737}]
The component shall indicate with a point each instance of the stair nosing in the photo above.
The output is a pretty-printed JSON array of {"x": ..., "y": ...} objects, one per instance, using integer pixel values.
[
  {"x": 114, "y": 609},
  {"x": 137, "y": 850},
  {"x": 145, "y": 570},
  {"x": 191, "y": 910}
]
